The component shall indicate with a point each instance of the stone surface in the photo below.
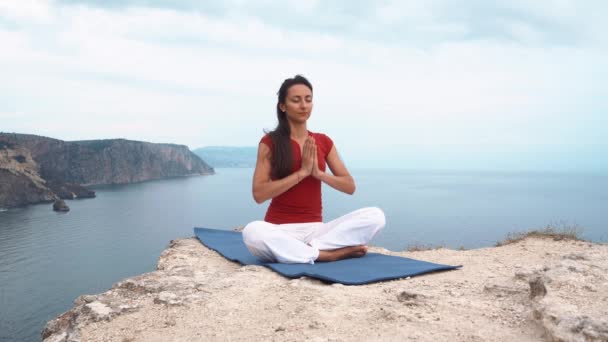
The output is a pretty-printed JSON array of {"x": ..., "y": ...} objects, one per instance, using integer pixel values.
[
  {"x": 60, "y": 205},
  {"x": 70, "y": 190},
  {"x": 575, "y": 304},
  {"x": 20, "y": 182},
  {"x": 195, "y": 294}
]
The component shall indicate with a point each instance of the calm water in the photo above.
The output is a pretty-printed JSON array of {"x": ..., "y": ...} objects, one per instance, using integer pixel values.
[{"x": 47, "y": 259}]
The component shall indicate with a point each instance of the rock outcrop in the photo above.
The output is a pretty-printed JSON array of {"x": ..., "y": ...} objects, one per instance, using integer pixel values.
[
  {"x": 571, "y": 296},
  {"x": 70, "y": 190},
  {"x": 60, "y": 205},
  {"x": 20, "y": 182},
  {"x": 535, "y": 289},
  {"x": 61, "y": 169}
]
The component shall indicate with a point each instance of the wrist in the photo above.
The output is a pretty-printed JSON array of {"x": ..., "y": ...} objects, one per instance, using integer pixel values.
[
  {"x": 319, "y": 175},
  {"x": 301, "y": 175}
]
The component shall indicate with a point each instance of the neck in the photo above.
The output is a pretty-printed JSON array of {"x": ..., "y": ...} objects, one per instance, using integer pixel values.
[{"x": 298, "y": 130}]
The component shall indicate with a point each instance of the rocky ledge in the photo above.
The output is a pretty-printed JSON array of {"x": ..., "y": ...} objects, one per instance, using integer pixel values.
[{"x": 535, "y": 289}]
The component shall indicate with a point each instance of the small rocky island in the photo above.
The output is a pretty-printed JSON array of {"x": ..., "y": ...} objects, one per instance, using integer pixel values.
[
  {"x": 35, "y": 169},
  {"x": 59, "y": 205}
]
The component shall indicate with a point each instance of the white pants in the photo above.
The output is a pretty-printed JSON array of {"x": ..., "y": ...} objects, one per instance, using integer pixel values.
[{"x": 301, "y": 242}]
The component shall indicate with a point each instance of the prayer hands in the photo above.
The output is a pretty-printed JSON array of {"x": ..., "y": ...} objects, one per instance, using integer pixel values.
[{"x": 310, "y": 165}]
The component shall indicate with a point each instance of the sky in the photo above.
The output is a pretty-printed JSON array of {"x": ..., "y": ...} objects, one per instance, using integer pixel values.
[{"x": 434, "y": 84}]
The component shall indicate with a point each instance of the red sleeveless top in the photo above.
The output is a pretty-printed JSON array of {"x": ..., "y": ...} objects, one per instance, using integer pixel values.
[{"x": 302, "y": 202}]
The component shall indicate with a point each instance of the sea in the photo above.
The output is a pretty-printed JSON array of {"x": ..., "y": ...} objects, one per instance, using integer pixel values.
[{"x": 48, "y": 259}]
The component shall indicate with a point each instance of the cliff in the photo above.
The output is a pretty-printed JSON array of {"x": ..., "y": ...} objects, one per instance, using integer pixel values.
[
  {"x": 63, "y": 167},
  {"x": 20, "y": 181},
  {"x": 531, "y": 290}
]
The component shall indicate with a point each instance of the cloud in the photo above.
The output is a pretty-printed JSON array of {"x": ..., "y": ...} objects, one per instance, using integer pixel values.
[
  {"x": 32, "y": 11},
  {"x": 552, "y": 22},
  {"x": 427, "y": 73}
]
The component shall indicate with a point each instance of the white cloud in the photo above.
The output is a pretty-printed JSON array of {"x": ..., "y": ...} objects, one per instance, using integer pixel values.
[
  {"x": 37, "y": 11},
  {"x": 189, "y": 77}
]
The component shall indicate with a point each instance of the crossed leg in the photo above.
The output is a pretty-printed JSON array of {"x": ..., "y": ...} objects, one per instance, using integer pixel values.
[
  {"x": 344, "y": 237},
  {"x": 348, "y": 235}
]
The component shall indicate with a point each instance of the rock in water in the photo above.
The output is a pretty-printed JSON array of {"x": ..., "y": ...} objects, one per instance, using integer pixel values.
[{"x": 60, "y": 205}]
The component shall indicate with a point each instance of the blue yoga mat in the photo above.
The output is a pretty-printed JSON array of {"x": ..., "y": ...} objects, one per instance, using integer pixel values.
[{"x": 372, "y": 267}]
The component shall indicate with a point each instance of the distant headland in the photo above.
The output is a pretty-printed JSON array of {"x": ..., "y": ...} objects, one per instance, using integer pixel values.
[
  {"x": 230, "y": 157},
  {"x": 35, "y": 169}
]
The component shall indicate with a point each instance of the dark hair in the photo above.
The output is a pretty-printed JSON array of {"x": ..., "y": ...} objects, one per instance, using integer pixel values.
[{"x": 281, "y": 136}]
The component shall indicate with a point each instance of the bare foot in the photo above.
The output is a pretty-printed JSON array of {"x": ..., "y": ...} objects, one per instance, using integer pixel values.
[{"x": 342, "y": 253}]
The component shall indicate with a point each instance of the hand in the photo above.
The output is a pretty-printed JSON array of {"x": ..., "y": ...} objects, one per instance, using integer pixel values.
[
  {"x": 316, "y": 172},
  {"x": 308, "y": 157}
]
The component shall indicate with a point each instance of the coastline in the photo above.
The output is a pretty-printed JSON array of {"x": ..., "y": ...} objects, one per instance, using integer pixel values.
[{"x": 195, "y": 294}]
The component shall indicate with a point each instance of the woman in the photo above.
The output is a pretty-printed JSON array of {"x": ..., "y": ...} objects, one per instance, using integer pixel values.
[{"x": 290, "y": 167}]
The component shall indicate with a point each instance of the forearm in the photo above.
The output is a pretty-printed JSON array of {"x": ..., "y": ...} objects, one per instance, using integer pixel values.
[
  {"x": 271, "y": 189},
  {"x": 345, "y": 184}
]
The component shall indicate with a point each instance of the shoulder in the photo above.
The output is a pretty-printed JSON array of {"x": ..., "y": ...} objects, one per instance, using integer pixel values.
[
  {"x": 321, "y": 138},
  {"x": 324, "y": 140},
  {"x": 266, "y": 140},
  {"x": 265, "y": 147}
]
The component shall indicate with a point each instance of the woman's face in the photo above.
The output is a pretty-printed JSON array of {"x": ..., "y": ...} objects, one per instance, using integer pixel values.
[{"x": 298, "y": 103}]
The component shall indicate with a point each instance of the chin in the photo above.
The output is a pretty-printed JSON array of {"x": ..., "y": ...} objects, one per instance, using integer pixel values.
[{"x": 299, "y": 119}]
